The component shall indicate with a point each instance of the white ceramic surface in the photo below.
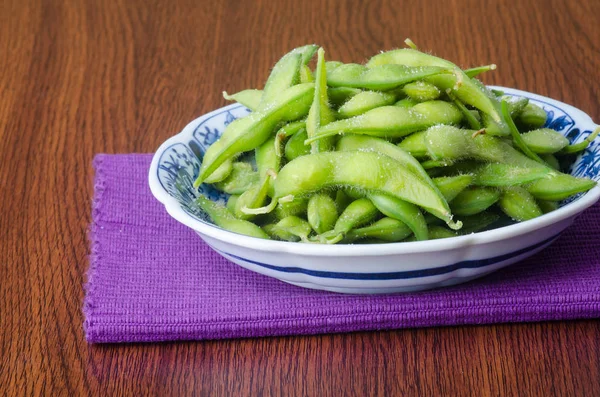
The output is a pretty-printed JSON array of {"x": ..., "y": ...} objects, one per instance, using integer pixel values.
[{"x": 376, "y": 268}]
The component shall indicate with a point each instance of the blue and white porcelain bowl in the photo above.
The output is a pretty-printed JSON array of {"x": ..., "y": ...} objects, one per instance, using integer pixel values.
[{"x": 367, "y": 269}]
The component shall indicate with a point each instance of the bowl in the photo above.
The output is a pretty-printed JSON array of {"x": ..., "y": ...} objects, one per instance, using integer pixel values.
[{"x": 367, "y": 268}]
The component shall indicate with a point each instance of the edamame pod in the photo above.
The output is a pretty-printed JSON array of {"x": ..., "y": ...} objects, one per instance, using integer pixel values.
[
  {"x": 252, "y": 198},
  {"x": 478, "y": 222},
  {"x": 306, "y": 75},
  {"x": 415, "y": 145},
  {"x": 559, "y": 186},
  {"x": 287, "y": 131},
  {"x": 248, "y": 98},
  {"x": 386, "y": 229},
  {"x": 367, "y": 143},
  {"x": 286, "y": 72},
  {"x": 545, "y": 141},
  {"x": 498, "y": 174},
  {"x": 381, "y": 78},
  {"x": 532, "y": 116},
  {"x": 378, "y": 173},
  {"x": 320, "y": 114},
  {"x": 297, "y": 207},
  {"x": 340, "y": 95},
  {"x": 295, "y": 146},
  {"x": 449, "y": 143},
  {"x": 364, "y": 102},
  {"x": 451, "y": 186},
  {"x": 322, "y": 213},
  {"x": 291, "y": 228},
  {"x": 547, "y": 206},
  {"x": 358, "y": 213},
  {"x": 406, "y": 103},
  {"x": 224, "y": 219},
  {"x": 342, "y": 200},
  {"x": 242, "y": 177},
  {"x": 393, "y": 121},
  {"x": 519, "y": 204},
  {"x": 231, "y": 202},
  {"x": 464, "y": 87},
  {"x": 474, "y": 200},
  {"x": 249, "y": 132},
  {"x": 403, "y": 211},
  {"x": 421, "y": 91}
]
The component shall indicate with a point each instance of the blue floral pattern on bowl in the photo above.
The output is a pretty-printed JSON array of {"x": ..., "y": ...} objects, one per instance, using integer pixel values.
[{"x": 179, "y": 165}]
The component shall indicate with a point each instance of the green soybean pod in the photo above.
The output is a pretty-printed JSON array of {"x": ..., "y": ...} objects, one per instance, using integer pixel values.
[
  {"x": 322, "y": 213},
  {"x": 551, "y": 160},
  {"x": 478, "y": 222},
  {"x": 393, "y": 121},
  {"x": 254, "y": 197},
  {"x": 286, "y": 72},
  {"x": 451, "y": 186},
  {"x": 406, "y": 103},
  {"x": 381, "y": 78},
  {"x": 248, "y": 98},
  {"x": 499, "y": 174},
  {"x": 415, "y": 145},
  {"x": 320, "y": 114},
  {"x": 532, "y": 116},
  {"x": 224, "y": 219},
  {"x": 547, "y": 206},
  {"x": 378, "y": 173},
  {"x": 340, "y": 95},
  {"x": 306, "y": 75},
  {"x": 467, "y": 89},
  {"x": 298, "y": 206},
  {"x": 291, "y": 228},
  {"x": 342, "y": 200},
  {"x": 403, "y": 211},
  {"x": 439, "y": 232},
  {"x": 474, "y": 200},
  {"x": 385, "y": 229},
  {"x": 516, "y": 105},
  {"x": 559, "y": 187},
  {"x": 422, "y": 91},
  {"x": 358, "y": 213},
  {"x": 365, "y": 101},
  {"x": 519, "y": 204},
  {"x": 545, "y": 141},
  {"x": 241, "y": 178},
  {"x": 251, "y": 131},
  {"x": 295, "y": 146},
  {"x": 231, "y": 202},
  {"x": 367, "y": 143}
]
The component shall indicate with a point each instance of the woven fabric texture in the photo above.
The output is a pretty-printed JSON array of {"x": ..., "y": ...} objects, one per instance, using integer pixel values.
[{"x": 153, "y": 279}]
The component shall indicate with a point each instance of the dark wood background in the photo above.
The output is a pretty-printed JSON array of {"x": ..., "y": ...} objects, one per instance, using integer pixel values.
[{"x": 81, "y": 77}]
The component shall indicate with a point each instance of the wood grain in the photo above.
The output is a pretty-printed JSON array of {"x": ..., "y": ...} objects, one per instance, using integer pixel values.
[{"x": 83, "y": 77}]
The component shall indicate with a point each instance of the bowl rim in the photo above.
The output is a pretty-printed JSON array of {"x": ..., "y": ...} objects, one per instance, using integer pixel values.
[{"x": 176, "y": 211}]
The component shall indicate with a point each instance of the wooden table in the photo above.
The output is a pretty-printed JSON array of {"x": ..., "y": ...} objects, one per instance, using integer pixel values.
[{"x": 83, "y": 77}]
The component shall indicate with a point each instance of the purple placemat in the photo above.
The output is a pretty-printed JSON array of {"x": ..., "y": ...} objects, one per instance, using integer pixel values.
[{"x": 153, "y": 279}]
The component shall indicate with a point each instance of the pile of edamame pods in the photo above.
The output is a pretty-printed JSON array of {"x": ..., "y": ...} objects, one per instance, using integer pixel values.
[{"x": 405, "y": 147}]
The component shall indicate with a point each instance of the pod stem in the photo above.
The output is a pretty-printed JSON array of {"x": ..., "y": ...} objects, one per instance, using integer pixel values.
[
  {"x": 410, "y": 44},
  {"x": 454, "y": 225},
  {"x": 578, "y": 147},
  {"x": 319, "y": 136},
  {"x": 260, "y": 210},
  {"x": 516, "y": 135},
  {"x": 480, "y": 69},
  {"x": 473, "y": 122}
]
